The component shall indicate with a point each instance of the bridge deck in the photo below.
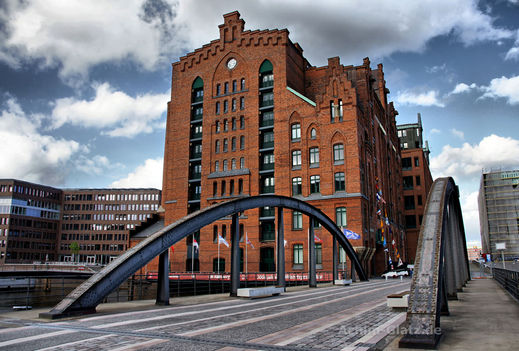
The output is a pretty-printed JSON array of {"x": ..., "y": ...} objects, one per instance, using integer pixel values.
[{"x": 327, "y": 318}]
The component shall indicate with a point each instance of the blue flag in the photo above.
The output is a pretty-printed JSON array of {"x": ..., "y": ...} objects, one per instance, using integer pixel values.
[{"x": 350, "y": 235}]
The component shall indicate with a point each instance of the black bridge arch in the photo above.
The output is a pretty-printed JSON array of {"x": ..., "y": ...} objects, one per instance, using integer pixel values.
[{"x": 88, "y": 295}]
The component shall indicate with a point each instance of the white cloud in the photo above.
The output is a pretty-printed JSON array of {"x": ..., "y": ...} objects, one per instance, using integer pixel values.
[
  {"x": 435, "y": 131},
  {"x": 458, "y": 133},
  {"x": 95, "y": 165},
  {"x": 462, "y": 88},
  {"x": 503, "y": 87},
  {"x": 429, "y": 98},
  {"x": 75, "y": 35},
  {"x": 29, "y": 155},
  {"x": 362, "y": 27},
  {"x": 124, "y": 115},
  {"x": 466, "y": 162},
  {"x": 436, "y": 69},
  {"x": 148, "y": 175},
  {"x": 470, "y": 209}
]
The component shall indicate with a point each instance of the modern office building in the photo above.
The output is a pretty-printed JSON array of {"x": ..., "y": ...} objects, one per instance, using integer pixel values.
[
  {"x": 250, "y": 115},
  {"x": 99, "y": 221},
  {"x": 498, "y": 202},
  {"x": 29, "y": 221},
  {"x": 417, "y": 180},
  {"x": 41, "y": 223}
]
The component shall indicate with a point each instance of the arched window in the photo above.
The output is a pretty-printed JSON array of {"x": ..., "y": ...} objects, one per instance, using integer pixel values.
[
  {"x": 217, "y": 146},
  {"x": 242, "y": 162},
  {"x": 233, "y": 163},
  {"x": 313, "y": 133}
]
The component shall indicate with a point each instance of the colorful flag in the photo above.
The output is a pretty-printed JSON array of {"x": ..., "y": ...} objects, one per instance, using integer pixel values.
[
  {"x": 195, "y": 243},
  {"x": 222, "y": 241},
  {"x": 317, "y": 239}
]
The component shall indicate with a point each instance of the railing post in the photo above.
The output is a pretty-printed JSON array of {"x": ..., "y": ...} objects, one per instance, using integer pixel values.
[
  {"x": 335, "y": 260},
  {"x": 163, "y": 280},
  {"x": 235, "y": 255},
  {"x": 281, "y": 250},
  {"x": 312, "y": 281}
]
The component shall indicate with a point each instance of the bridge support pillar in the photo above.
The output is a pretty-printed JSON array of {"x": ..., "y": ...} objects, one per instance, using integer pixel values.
[
  {"x": 312, "y": 280},
  {"x": 163, "y": 280},
  {"x": 335, "y": 260},
  {"x": 235, "y": 255},
  {"x": 281, "y": 250}
]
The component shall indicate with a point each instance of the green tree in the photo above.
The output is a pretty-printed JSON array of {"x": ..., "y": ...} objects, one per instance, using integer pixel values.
[{"x": 74, "y": 247}]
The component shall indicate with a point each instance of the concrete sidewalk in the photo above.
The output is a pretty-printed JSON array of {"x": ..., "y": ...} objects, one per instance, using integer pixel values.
[{"x": 485, "y": 317}]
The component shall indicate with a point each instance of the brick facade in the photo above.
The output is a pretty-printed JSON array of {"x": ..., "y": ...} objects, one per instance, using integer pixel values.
[
  {"x": 327, "y": 122},
  {"x": 417, "y": 181}
]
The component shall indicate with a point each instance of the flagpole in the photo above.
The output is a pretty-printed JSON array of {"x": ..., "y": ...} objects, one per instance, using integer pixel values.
[
  {"x": 246, "y": 255},
  {"x": 193, "y": 254},
  {"x": 218, "y": 260}
]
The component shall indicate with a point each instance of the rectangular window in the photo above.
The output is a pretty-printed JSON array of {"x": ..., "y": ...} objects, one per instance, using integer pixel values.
[
  {"x": 416, "y": 162},
  {"x": 315, "y": 182},
  {"x": 242, "y": 103},
  {"x": 296, "y": 132},
  {"x": 417, "y": 178},
  {"x": 233, "y": 105},
  {"x": 338, "y": 153},
  {"x": 319, "y": 254},
  {"x": 340, "y": 216},
  {"x": 406, "y": 163},
  {"x": 297, "y": 220},
  {"x": 296, "y": 158},
  {"x": 226, "y": 88},
  {"x": 225, "y": 106},
  {"x": 298, "y": 253},
  {"x": 296, "y": 186},
  {"x": 409, "y": 202},
  {"x": 408, "y": 182},
  {"x": 410, "y": 221},
  {"x": 242, "y": 84},
  {"x": 419, "y": 200},
  {"x": 242, "y": 142},
  {"x": 218, "y": 90},
  {"x": 340, "y": 182},
  {"x": 217, "y": 108},
  {"x": 234, "y": 85},
  {"x": 314, "y": 156}
]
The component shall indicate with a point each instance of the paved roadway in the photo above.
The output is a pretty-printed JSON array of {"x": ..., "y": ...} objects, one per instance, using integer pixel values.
[{"x": 327, "y": 318}]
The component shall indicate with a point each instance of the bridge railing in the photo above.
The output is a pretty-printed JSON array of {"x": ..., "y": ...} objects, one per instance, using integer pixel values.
[
  {"x": 45, "y": 291},
  {"x": 509, "y": 280}
]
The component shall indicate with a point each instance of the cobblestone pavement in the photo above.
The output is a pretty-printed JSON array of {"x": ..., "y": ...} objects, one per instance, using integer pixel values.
[{"x": 327, "y": 318}]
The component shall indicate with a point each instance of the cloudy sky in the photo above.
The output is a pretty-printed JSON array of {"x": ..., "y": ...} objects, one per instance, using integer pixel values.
[{"x": 84, "y": 84}]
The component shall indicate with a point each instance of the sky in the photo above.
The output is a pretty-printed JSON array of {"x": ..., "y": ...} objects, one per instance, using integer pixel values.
[{"x": 84, "y": 83}]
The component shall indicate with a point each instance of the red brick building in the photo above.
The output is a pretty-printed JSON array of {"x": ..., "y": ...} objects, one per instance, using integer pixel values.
[
  {"x": 417, "y": 181},
  {"x": 249, "y": 115}
]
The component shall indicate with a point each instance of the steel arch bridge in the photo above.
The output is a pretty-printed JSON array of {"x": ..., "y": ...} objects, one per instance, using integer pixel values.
[
  {"x": 441, "y": 265},
  {"x": 87, "y": 296}
]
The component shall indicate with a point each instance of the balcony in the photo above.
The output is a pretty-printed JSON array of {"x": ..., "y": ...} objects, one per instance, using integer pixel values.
[
  {"x": 267, "y": 167},
  {"x": 197, "y": 99},
  {"x": 267, "y": 212},
  {"x": 267, "y": 189},
  {"x": 267, "y": 144},
  {"x": 266, "y": 123}
]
